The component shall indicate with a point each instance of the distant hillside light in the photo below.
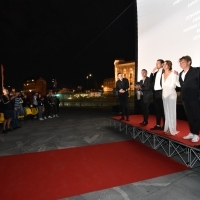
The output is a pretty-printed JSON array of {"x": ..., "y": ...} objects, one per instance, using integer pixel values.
[{"x": 87, "y": 77}]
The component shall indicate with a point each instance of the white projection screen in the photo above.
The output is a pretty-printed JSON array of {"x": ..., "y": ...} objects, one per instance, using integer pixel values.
[{"x": 168, "y": 30}]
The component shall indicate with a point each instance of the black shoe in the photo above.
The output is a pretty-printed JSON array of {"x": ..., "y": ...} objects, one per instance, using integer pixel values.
[
  {"x": 144, "y": 123},
  {"x": 162, "y": 128},
  {"x": 122, "y": 118},
  {"x": 18, "y": 127},
  {"x": 156, "y": 128},
  {"x": 9, "y": 129}
]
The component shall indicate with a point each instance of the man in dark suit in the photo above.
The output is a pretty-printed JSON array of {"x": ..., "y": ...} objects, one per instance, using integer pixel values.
[
  {"x": 189, "y": 81},
  {"x": 146, "y": 95},
  {"x": 156, "y": 80},
  {"x": 122, "y": 86}
]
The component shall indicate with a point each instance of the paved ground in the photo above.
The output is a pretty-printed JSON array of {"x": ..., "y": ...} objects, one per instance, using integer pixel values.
[{"x": 87, "y": 126}]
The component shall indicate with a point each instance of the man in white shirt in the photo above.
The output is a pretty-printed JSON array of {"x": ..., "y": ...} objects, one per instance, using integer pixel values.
[{"x": 156, "y": 80}]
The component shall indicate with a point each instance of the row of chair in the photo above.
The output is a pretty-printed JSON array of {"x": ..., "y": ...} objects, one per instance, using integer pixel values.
[{"x": 29, "y": 113}]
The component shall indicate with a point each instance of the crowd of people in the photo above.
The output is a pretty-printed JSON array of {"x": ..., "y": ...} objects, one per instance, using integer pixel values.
[
  {"x": 161, "y": 86},
  {"x": 15, "y": 104}
]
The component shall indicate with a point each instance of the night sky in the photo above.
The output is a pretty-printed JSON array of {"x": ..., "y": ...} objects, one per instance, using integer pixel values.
[{"x": 65, "y": 40}]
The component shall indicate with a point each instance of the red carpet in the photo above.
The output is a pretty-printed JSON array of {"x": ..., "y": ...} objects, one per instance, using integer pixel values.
[
  {"x": 182, "y": 126},
  {"x": 62, "y": 173}
]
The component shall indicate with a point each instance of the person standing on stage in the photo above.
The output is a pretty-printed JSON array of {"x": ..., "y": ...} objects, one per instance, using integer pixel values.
[
  {"x": 189, "y": 81},
  {"x": 146, "y": 95},
  {"x": 156, "y": 80},
  {"x": 122, "y": 86}
]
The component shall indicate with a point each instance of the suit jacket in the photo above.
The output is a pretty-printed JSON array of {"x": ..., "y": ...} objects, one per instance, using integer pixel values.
[
  {"x": 124, "y": 84},
  {"x": 146, "y": 89},
  {"x": 190, "y": 85}
]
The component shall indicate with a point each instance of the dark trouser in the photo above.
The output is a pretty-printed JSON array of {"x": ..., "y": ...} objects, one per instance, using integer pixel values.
[
  {"x": 137, "y": 107},
  {"x": 192, "y": 110},
  {"x": 55, "y": 110},
  {"x": 158, "y": 104},
  {"x": 145, "y": 109},
  {"x": 50, "y": 110},
  {"x": 15, "y": 121},
  {"x": 40, "y": 110},
  {"x": 46, "y": 111},
  {"x": 123, "y": 101}
]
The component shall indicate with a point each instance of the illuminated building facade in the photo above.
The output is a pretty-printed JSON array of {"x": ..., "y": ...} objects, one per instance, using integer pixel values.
[
  {"x": 38, "y": 85},
  {"x": 29, "y": 86},
  {"x": 41, "y": 86},
  {"x": 128, "y": 71},
  {"x": 108, "y": 84}
]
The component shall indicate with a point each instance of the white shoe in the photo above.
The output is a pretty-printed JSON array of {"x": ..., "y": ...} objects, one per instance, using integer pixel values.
[
  {"x": 49, "y": 117},
  {"x": 195, "y": 138},
  {"x": 45, "y": 118},
  {"x": 57, "y": 116},
  {"x": 189, "y": 136},
  {"x": 53, "y": 115},
  {"x": 35, "y": 117},
  {"x": 41, "y": 119}
]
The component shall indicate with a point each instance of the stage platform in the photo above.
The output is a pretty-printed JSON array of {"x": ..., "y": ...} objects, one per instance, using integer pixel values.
[{"x": 187, "y": 151}]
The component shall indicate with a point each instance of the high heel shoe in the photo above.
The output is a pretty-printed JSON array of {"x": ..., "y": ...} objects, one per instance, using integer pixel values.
[{"x": 168, "y": 132}]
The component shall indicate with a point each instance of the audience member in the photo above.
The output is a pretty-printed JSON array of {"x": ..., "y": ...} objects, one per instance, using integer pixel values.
[
  {"x": 55, "y": 105},
  {"x": 7, "y": 107},
  {"x": 46, "y": 106},
  {"x": 40, "y": 102},
  {"x": 35, "y": 103},
  {"x": 25, "y": 103},
  {"x": 16, "y": 102},
  {"x": 50, "y": 102}
]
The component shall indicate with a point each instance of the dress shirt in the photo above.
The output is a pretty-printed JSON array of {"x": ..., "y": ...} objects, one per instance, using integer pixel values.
[
  {"x": 183, "y": 75},
  {"x": 157, "y": 85}
]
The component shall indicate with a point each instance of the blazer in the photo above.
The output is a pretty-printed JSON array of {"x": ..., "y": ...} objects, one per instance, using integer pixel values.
[
  {"x": 124, "y": 84},
  {"x": 190, "y": 85},
  {"x": 146, "y": 89}
]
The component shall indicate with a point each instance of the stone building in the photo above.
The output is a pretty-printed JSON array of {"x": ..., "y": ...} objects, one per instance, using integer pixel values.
[
  {"x": 108, "y": 84},
  {"x": 127, "y": 68},
  {"x": 41, "y": 86},
  {"x": 38, "y": 85}
]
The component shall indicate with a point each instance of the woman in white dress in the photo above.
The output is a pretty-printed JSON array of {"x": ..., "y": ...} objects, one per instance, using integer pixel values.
[{"x": 169, "y": 82}]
